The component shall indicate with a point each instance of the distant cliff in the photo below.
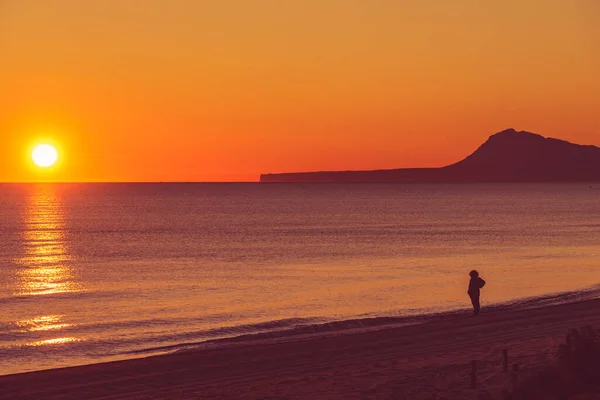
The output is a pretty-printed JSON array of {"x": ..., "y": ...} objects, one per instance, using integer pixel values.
[{"x": 507, "y": 156}]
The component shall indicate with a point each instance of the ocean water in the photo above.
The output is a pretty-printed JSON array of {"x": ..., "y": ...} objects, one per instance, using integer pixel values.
[{"x": 97, "y": 272}]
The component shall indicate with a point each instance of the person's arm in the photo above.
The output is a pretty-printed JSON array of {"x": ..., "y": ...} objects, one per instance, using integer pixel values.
[{"x": 482, "y": 283}]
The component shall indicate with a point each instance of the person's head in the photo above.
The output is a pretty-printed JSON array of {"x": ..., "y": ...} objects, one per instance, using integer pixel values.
[{"x": 473, "y": 274}]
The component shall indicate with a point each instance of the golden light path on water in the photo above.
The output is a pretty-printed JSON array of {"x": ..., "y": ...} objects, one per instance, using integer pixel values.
[
  {"x": 43, "y": 323},
  {"x": 46, "y": 265},
  {"x": 54, "y": 341}
]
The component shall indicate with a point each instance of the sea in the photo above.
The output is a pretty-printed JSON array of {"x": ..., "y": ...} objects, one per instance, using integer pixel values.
[{"x": 98, "y": 272}]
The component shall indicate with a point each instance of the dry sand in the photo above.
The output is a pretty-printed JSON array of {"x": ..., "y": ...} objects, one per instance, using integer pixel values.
[{"x": 425, "y": 361}]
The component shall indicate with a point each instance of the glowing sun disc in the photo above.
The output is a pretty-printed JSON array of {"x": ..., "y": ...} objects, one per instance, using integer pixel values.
[{"x": 44, "y": 155}]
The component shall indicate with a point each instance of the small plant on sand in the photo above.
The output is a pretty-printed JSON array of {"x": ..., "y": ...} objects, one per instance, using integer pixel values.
[
  {"x": 576, "y": 374},
  {"x": 579, "y": 358}
]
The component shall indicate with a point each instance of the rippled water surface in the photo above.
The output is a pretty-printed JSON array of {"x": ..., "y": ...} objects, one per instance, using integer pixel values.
[{"x": 91, "y": 272}]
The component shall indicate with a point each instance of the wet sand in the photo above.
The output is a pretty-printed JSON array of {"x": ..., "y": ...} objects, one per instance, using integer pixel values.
[{"x": 425, "y": 361}]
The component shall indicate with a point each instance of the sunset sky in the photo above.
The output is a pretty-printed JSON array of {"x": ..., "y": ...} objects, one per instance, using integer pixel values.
[{"x": 199, "y": 90}]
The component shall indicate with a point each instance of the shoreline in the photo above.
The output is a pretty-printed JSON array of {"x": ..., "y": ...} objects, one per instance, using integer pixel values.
[
  {"x": 313, "y": 328},
  {"x": 386, "y": 361}
]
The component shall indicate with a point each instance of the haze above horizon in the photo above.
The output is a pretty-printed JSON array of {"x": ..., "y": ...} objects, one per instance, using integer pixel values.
[{"x": 149, "y": 90}]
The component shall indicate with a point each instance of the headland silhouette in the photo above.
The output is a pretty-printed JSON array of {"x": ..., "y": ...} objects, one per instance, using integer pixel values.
[{"x": 507, "y": 156}]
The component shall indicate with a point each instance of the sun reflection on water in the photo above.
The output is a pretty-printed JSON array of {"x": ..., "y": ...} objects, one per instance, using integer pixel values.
[
  {"x": 46, "y": 261},
  {"x": 45, "y": 266},
  {"x": 54, "y": 341},
  {"x": 42, "y": 323}
]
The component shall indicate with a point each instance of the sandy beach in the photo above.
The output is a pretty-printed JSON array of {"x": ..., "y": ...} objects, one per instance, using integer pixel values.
[{"x": 423, "y": 361}]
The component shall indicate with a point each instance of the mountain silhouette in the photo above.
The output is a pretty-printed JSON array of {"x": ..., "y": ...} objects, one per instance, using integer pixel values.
[{"x": 507, "y": 156}]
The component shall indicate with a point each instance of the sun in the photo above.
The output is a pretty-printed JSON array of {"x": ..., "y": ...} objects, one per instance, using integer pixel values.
[{"x": 44, "y": 155}]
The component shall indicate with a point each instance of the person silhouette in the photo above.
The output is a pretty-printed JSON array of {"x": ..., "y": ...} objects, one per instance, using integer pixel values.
[{"x": 475, "y": 284}]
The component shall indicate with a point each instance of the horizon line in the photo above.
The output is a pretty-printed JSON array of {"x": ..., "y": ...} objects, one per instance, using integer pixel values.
[{"x": 124, "y": 182}]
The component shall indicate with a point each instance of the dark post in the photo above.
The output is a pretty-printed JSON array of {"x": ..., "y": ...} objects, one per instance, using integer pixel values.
[
  {"x": 505, "y": 360},
  {"x": 473, "y": 374},
  {"x": 515, "y": 370}
]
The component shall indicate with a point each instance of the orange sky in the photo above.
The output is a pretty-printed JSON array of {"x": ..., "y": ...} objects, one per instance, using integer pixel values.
[{"x": 193, "y": 90}]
